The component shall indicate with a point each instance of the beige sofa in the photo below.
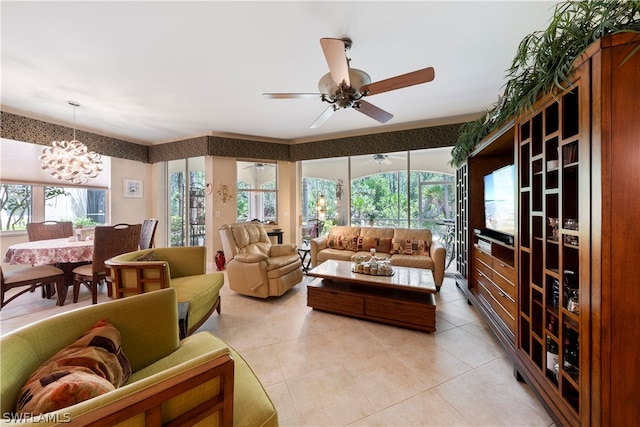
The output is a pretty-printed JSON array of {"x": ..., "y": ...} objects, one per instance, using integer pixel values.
[
  {"x": 255, "y": 267},
  {"x": 405, "y": 247},
  {"x": 199, "y": 378}
]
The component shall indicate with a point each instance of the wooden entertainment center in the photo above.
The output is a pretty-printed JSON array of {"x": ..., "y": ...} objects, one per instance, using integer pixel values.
[{"x": 563, "y": 298}]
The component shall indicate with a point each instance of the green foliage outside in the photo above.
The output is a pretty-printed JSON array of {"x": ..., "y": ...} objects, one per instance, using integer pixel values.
[{"x": 15, "y": 204}]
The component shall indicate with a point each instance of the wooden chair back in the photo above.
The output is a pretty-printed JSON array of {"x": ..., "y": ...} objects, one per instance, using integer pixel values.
[
  {"x": 148, "y": 233},
  {"x": 47, "y": 230},
  {"x": 110, "y": 241}
]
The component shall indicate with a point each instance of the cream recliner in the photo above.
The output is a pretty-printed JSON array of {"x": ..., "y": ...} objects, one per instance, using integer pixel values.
[{"x": 255, "y": 267}]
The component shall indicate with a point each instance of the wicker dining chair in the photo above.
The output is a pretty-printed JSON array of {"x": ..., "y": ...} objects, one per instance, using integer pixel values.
[
  {"x": 148, "y": 232},
  {"x": 30, "y": 278},
  {"x": 46, "y": 230},
  {"x": 108, "y": 241}
]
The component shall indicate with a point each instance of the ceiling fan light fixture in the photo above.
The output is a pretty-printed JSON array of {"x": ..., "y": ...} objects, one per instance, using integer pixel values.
[
  {"x": 379, "y": 158},
  {"x": 358, "y": 78}
]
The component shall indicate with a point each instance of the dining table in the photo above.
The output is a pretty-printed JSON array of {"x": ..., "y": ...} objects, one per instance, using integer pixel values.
[{"x": 65, "y": 253}]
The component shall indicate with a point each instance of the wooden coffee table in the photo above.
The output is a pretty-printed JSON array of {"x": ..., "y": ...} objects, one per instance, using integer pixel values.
[{"x": 405, "y": 299}]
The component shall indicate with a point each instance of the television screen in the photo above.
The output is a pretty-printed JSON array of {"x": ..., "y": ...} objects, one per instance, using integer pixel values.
[{"x": 499, "y": 203}]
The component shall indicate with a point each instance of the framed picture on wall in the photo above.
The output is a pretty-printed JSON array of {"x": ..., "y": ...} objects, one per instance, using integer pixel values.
[{"x": 133, "y": 188}]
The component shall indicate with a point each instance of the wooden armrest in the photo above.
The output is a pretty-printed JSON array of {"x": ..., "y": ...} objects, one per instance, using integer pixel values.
[
  {"x": 146, "y": 273},
  {"x": 149, "y": 400}
]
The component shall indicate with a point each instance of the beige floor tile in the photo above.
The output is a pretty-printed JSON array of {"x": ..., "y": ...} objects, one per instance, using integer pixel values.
[
  {"x": 317, "y": 403},
  {"x": 321, "y": 369},
  {"x": 425, "y": 409}
]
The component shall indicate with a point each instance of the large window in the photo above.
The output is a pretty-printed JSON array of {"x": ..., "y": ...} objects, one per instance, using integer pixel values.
[
  {"x": 257, "y": 189},
  {"x": 412, "y": 189},
  {"x": 21, "y": 203},
  {"x": 186, "y": 202}
]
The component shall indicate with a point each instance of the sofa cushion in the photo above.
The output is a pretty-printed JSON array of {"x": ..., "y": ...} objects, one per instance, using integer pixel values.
[
  {"x": 379, "y": 244},
  {"x": 409, "y": 246},
  {"x": 348, "y": 243},
  {"x": 200, "y": 291},
  {"x": 251, "y": 403},
  {"x": 415, "y": 261},
  {"x": 339, "y": 254},
  {"x": 89, "y": 367}
]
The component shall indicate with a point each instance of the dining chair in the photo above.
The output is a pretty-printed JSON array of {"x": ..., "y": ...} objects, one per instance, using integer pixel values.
[
  {"x": 30, "y": 278},
  {"x": 46, "y": 230},
  {"x": 148, "y": 232},
  {"x": 108, "y": 241}
]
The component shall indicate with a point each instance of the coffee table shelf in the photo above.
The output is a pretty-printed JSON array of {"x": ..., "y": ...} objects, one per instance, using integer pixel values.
[{"x": 409, "y": 305}]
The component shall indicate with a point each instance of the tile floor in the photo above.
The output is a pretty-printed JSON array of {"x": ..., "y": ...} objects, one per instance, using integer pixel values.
[{"x": 321, "y": 369}]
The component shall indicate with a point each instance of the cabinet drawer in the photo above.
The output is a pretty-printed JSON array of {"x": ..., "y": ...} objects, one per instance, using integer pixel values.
[
  {"x": 418, "y": 314},
  {"x": 506, "y": 317},
  {"x": 482, "y": 277},
  {"x": 507, "y": 286},
  {"x": 482, "y": 256},
  {"x": 503, "y": 299},
  {"x": 504, "y": 269},
  {"x": 484, "y": 269},
  {"x": 331, "y": 300}
]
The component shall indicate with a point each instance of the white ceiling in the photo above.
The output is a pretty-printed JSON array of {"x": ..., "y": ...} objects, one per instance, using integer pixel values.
[{"x": 154, "y": 72}]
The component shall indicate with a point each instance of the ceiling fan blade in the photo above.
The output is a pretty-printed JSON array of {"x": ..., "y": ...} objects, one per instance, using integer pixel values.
[
  {"x": 398, "y": 82},
  {"x": 323, "y": 117},
  {"x": 374, "y": 112},
  {"x": 336, "y": 59},
  {"x": 291, "y": 95}
]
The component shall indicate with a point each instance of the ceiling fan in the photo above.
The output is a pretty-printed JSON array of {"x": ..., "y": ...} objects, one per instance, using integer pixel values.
[
  {"x": 345, "y": 87},
  {"x": 260, "y": 166},
  {"x": 380, "y": 159}
]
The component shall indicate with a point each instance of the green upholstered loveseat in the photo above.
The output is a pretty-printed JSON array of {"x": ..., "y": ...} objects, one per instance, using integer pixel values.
[
  {"x": 183, "y": 268},
  {"x": 198, "y": 378}
]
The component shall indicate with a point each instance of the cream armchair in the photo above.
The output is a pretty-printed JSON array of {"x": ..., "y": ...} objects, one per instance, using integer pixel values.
[{"x": 255, "y": 267}]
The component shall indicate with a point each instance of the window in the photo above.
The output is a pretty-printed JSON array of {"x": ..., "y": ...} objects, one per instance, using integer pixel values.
[
  {"x": 187, "y": 213},
  {"x": 408, "y": 189},
  {"x": 22, "y": 203},
  {"x": 257, "y": 189}
]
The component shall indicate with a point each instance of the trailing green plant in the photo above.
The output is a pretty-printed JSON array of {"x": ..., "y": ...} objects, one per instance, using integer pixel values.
[{"x": 544, "y": 61}]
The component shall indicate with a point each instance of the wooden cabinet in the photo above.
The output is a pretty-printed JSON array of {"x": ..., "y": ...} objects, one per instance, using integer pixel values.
[
  {"x": 487, "y": 267},
  {"x": 578, "y": 186},
  {"x": 577, "y": 246}
]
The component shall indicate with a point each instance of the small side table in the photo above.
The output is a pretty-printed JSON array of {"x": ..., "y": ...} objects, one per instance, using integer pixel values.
[
  {"x": 277, "y": 234},
  {"x": 304, "y": 251},
  {"x": 183, "y": 319}
]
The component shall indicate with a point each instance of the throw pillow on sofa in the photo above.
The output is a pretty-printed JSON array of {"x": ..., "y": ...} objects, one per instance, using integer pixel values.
[
  {"x": 91, "y": 366},
  {"x": 409, "y": 247},
  {"x": 377, "y": 243},
  {"x": 349, "y": 243}
]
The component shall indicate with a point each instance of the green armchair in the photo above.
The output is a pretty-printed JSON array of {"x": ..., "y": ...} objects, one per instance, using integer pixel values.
[
  {"x": 198, "y": 379},
  {"x": 182, "y": 268}
]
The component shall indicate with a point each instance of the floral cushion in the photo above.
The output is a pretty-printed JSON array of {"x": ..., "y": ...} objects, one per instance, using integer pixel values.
[
  {"x": 91, "y": 366},
  {"x": 349, "y": 243},
  {"x": 409, "y": 247}
]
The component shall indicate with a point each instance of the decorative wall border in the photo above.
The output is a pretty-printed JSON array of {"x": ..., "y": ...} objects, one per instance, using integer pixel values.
[{"x": 24, "y": 129}]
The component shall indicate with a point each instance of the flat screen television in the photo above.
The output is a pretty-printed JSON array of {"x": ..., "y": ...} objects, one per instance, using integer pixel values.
[{"x": 499, "y": 203}]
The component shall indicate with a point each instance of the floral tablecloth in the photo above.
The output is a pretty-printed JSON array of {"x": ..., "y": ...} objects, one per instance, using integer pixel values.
[{"x": 40, "y": 252}]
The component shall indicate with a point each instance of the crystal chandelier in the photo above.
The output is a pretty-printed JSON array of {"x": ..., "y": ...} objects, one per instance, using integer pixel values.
[{"x": 71, "y": 160}]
